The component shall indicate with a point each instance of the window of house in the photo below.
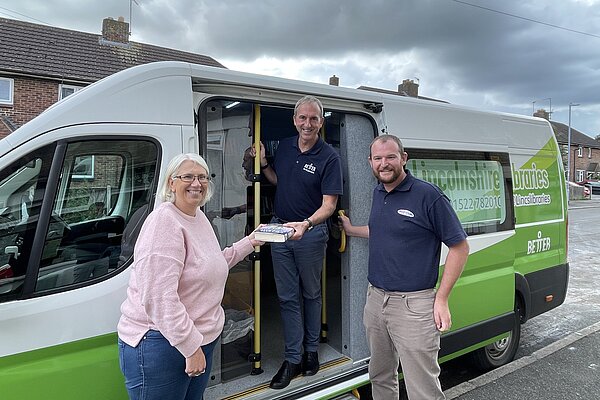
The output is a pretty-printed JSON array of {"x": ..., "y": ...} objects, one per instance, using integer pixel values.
[
  {"x": 579, "y": 175},
  {"x": 589, "y": 152},
  {"x": 579, "y": 151},
  {"x": 84, "y": 167},
  {"x": 6, "y": 91},
  {"x": 590, "y": 175},
  {"x": 67, "y": 90}
]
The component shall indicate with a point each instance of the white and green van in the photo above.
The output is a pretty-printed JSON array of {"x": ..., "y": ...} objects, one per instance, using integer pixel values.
[{"x": 76, "y": 182}]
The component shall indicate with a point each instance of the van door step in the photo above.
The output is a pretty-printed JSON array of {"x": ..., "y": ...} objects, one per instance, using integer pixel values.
[{"x": 346, "y": 396}]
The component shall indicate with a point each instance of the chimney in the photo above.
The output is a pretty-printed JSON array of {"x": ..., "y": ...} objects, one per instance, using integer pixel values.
[
  {"x": 115, "y": 31},
  {"x": 334, "y": 81},
  {"x": 409, "y": 88},
  {"x": 541, "y": 113}
]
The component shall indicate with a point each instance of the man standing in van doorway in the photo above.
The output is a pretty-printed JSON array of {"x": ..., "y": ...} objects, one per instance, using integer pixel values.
[
  {"x": 404, "y": 315},
  {"x": 308, "y": 175}
]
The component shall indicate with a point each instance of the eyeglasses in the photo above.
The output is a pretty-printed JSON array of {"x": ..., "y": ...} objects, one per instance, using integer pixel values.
[{"x": 189, "y": 178}]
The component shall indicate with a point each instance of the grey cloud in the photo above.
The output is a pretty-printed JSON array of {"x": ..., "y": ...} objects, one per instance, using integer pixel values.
[{"x": 460, "y": 53}]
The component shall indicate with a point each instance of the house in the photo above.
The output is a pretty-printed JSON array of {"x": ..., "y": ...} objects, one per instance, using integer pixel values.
[
  {"x": 585, "y": 151},
  {"x": 41, "y": 64},
  {"x": 408, "y": 88}
]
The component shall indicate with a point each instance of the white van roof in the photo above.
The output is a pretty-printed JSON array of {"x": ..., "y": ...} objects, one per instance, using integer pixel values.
[{"x": 137, "y": 95}]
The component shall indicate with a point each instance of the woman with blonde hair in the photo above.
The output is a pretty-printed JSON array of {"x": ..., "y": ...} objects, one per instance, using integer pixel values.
[{"x": 172, "y": 316}]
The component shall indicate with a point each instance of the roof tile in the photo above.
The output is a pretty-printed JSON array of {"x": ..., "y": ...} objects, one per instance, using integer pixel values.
[
  {"x": 561, "y": 131},
  {"x": 69, "y": 55}
]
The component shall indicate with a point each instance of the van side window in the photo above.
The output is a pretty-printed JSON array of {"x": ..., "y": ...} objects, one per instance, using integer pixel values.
[
  {"x": 478, "y": 185},
  {"x": 102, "y": 184},
  {"x": 22, "y": 186},
  {"x": 103, "y": 191}
]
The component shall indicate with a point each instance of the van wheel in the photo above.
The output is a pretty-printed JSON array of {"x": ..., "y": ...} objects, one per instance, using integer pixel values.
[{"x": 502, "y": 351}]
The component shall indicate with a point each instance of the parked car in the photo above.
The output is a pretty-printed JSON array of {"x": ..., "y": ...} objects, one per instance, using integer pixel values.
[
  {"x": 586, "y": 191},
  {"x": 593, "y": 185},
  {"x": 578, "y": 191}
]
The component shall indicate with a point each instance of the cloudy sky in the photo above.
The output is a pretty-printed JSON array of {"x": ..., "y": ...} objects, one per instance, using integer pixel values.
[{"x": 494, "y": 55}]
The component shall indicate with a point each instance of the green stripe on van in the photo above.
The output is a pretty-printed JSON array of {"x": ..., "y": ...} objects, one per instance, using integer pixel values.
[{"x": 85, "y": 369}]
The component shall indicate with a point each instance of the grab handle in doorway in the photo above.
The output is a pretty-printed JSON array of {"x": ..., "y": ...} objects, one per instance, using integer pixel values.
[{"x": 342, "y": 247}]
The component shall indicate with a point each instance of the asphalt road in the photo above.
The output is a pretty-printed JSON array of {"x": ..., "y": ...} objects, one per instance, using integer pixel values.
[{"x": 582, "y": 305}]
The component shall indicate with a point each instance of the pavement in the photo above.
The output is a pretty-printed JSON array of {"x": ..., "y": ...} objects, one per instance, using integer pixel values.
[
  {"x": 566, "y": 369},
  {"x": 589, "y": 203}
]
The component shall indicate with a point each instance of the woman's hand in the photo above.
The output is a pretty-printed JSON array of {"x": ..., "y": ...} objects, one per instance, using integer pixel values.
[
  {"x": 195, "y": 365},
  {"x": 254, "y": 241}
]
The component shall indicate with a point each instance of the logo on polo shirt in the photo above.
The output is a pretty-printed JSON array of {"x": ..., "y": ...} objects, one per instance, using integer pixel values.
[
  {"x": 406, "y": 213},
  {"x": 310, "y": 168}
]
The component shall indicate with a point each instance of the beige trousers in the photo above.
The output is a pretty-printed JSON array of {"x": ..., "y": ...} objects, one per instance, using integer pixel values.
[{"x": 401, "y": 329}]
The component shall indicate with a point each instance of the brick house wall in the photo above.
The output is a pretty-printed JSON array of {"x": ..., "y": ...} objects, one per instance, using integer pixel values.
[
  {"x": 584, "y": 162},
  {"x": 40, "y": 57},
  {"x": 107, "y": 174},
  {"x": 31, "y": 97},
  {"x": 588, "y": 163}
]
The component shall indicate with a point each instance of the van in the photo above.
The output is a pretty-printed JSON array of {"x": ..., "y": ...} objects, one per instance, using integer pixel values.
[{"x": 77, "y": 182}]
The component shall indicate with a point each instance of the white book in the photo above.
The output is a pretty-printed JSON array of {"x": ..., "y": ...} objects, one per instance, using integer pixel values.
[{"x": 273, "y": 233}]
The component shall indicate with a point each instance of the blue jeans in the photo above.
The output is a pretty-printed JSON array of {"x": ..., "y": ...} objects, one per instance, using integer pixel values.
[
  {"x": 155, "y": 370},
  {"x": 297, "y": 266}
]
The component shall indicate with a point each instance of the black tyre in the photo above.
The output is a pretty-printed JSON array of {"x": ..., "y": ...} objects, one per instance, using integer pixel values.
[{"x": 502, "y": 351}]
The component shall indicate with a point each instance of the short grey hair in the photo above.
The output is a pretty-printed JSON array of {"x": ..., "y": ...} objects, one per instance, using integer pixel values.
[
  {"x": 165, "y": 193},
  {"x": 309, "y": 99}
]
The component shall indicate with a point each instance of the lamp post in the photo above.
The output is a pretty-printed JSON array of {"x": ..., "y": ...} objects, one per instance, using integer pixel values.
[{"x": 569, "y": 150}]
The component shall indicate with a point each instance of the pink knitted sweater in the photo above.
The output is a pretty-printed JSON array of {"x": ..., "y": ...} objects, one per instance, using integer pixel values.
[{"x": 177, "y": 280}]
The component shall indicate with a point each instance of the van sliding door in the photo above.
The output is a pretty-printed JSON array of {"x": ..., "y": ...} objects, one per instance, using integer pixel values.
[
  {"x": 252, "y": 343},
  {"x": 228, "y": 137}
]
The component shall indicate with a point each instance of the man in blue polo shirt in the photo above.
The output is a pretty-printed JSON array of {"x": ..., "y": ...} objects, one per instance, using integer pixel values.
[
  {"x": 404, "y": 315},
  {"x": 308, "y": 175}
]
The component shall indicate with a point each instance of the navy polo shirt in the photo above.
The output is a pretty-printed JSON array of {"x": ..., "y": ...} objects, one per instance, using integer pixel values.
[
  {"x": 303, "y": 178},
  {"x": 406, "y": 229}
]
